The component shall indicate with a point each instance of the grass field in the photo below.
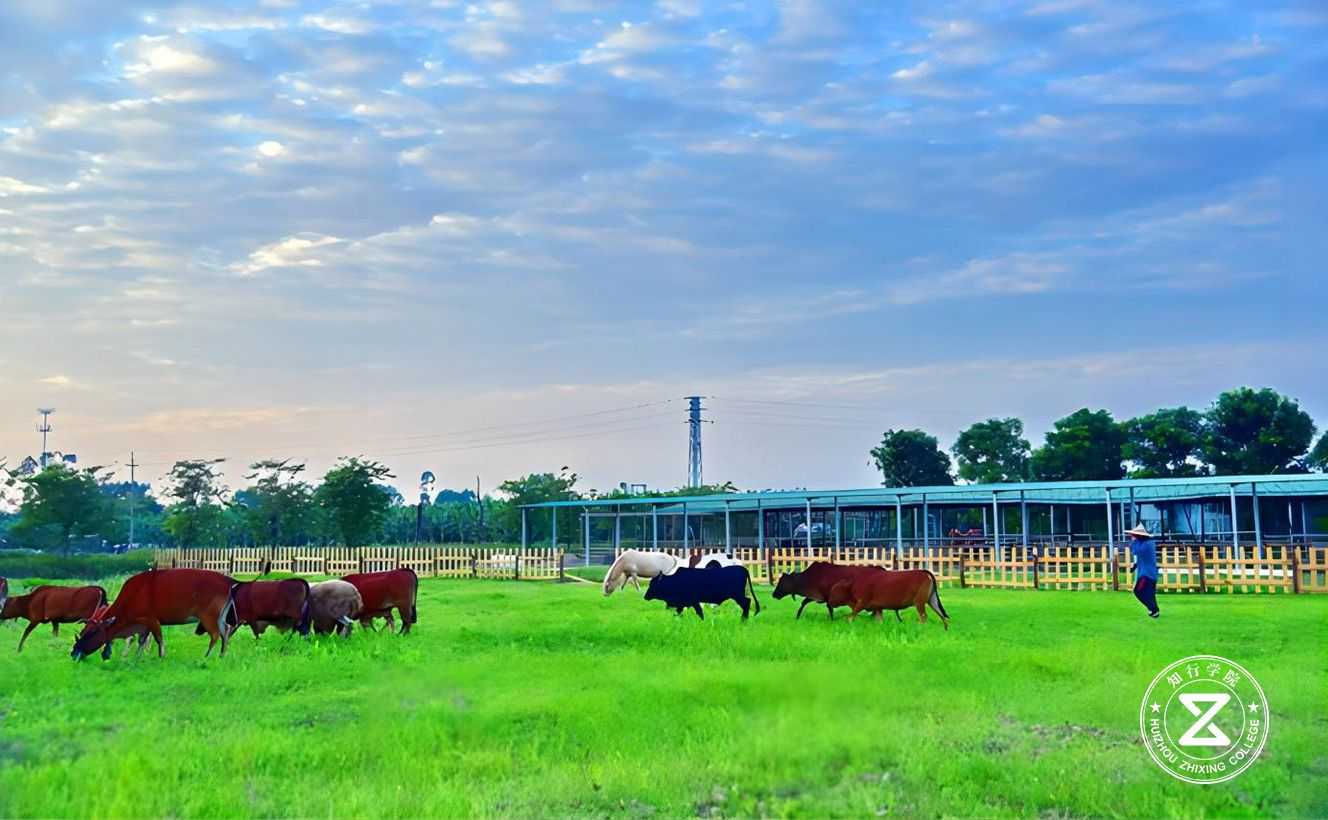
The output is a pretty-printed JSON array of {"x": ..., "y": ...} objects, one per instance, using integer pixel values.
[{"x": 543, "y": 699}]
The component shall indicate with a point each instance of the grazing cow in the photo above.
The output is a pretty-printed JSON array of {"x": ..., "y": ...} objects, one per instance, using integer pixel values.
[
  {"x": 283, "y": 604},
  {"x": 693, "y": 587},
  {"x": 162, "y": 597},
  {"x": 382, "y": 591},
  {"x": 882, "y": 590},
  {"x": 53, "y": 605},
  {"x": 632, "y": 565},
  {"x": 711, "y": 559},
  {"x": 333, "y": 605},
  {"x": 815, "y": 582}
]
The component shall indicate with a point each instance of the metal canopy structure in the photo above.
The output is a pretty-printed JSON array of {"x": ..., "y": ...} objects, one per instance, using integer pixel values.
[
  {"x": 1137, "y": 491},
  {"x": 1121, "y": 499}
]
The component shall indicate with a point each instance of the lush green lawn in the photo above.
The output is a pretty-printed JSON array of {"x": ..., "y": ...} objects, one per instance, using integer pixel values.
[{"x": 542, "y": 699}]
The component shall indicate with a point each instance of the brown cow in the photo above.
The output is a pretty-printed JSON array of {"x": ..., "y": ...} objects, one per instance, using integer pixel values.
[
  {"x": 260, "y": 604},
  {"x": 815, "y": 582},
  {"x": 162, "y": 597},
  {"x": 53, "y": 605},
  {"x": 382, "y": 591},
  {"x": 882, "y": 590}
]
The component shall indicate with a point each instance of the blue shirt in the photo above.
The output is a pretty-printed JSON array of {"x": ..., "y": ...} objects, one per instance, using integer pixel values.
[{"x": 1145, "y": 557}]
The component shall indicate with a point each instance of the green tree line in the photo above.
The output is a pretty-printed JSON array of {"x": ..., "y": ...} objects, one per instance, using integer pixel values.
[
  {"x": 1244, "y": 432},
  {"x": 67, "y": 509}
]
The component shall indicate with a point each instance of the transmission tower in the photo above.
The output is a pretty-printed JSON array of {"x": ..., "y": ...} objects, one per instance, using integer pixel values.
[
  {"x": 694, "y": 422},
  {"x": 44, "y": 428}
]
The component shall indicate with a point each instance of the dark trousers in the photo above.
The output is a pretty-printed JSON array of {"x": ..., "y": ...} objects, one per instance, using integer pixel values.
[{"x": 1145, "y": 589}]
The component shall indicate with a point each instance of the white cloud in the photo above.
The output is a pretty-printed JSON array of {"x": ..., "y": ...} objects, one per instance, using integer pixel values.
[{"x": 10, "y": 186}]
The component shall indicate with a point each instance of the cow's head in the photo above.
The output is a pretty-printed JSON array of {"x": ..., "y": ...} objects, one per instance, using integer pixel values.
[
  {"x": 787, "y": 585},
  {"x": 654, "y": 592},
  {"x": 96, "y": 635}
]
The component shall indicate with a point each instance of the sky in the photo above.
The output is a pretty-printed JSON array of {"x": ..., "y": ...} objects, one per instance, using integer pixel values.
[{"x": 487, "y": 239}]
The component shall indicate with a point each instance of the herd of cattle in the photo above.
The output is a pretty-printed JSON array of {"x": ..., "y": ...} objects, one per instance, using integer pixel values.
[
  {"x": 715, "y": 578},
  {"x": 218, "y": 603}
]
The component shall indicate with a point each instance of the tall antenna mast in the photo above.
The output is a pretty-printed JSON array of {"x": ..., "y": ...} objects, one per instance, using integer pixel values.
[
  {"x": 694, "y": 421},
  {"x": 44, "y": 428}
]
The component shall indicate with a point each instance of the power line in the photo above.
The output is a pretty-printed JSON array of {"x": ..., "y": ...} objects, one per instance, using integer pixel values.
[
  {"x": 862, "y": 407},
  {"x": 522, "y": 437},
  {"x": 408, "y": 440}
]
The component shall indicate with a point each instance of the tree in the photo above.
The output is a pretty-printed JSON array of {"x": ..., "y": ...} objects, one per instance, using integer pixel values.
[
  {"x": 1319, "y": 455},
  {"x": 120, "y": 495},
  {"x": 1165, "y": 443},
  {"x": 993, "y": 451},
  {"x": 278, "y": 509},
  {"x": 533, "y": 489},
  {"x": 1084, "y": 446},
  {"x": 355, "y": 504},
  {"x": 911, "y": 458},
  {"x": 60, "y": 503},
  {"x": 196, "y": 518},
  {"x": 1257, "y": 431}
]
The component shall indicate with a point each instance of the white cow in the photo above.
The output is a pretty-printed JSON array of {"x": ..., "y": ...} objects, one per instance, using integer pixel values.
[{"x": 633, "y": 565}]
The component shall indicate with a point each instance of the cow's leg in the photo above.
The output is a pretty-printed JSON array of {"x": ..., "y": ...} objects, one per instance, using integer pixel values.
[
  {"x": 699, "y": 613},
  {"x": 155, "y": 629},
  {"x": 746, "y": 605},
  {"x": 899, "y": 617},
  {"x": 805, "y": 601},
  {"x": 212, "y": 639},
  {"x": 831, "y": 610},
  {"x": 877, "y": 614},
  {"x": 31, "y": 626},
  {"x": 636, "y": 582},
  {"x": 922, "y": 612},
  {"x": 142, "y": 642},
  {"x": 55, "y": 628},
  {"x": 405, "y": 619}
]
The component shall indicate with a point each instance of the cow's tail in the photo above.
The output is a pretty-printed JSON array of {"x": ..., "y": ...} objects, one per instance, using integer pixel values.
[
  {"x": 229, "y": 617},
  {"x": 751, "y": 589},
  {"x": 414, "y": 598},
  {"x": 306, "y": 612},
  {"x": 935, "y": 598}
]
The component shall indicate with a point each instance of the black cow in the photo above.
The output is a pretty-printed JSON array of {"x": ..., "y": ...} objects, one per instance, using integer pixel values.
[{"x": 693, "y": 587}]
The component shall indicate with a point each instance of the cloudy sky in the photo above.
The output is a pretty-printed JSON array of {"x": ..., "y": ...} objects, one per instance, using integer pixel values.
[{"x": 497, "y": 237}]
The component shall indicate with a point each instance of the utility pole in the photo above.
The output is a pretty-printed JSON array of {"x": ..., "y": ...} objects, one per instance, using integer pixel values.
[
  {"x": 694, "y": 422},
  {"x": 133, "y": 490},
  {"x": 479, "y": 499},
  {"x": 44, "y": 428}
]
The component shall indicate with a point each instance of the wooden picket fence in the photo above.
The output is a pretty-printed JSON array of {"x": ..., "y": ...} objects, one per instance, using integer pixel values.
[
  {"x": 540, "y": 564},
  {"x": 1181, "y": 568}
]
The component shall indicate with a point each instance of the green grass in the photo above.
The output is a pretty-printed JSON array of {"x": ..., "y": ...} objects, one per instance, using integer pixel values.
[{"x": 546, "y": 699}]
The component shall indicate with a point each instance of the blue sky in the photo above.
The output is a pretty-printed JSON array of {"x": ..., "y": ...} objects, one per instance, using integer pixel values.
[{"x": 422, "y": 228}]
